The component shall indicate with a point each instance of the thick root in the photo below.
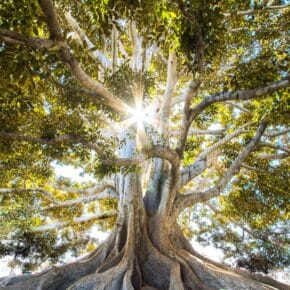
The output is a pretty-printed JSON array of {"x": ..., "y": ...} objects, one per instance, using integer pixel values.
[
  {"x": 142, "y": 265},
  {"x": 157, "y": 272},
  {"x": 60, "y": 277},
  {"x": 175, "y": 278}
]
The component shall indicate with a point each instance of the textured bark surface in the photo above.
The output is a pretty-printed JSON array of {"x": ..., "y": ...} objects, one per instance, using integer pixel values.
[
  {"x": 146, "y": 249},
  {"x": 143, "y": 254}
]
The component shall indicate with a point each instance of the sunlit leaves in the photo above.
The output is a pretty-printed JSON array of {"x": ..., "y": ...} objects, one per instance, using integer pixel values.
[{"x": 39, "y": 97}]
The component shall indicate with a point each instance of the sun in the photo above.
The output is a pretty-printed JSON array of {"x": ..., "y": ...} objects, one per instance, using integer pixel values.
[{"x": 139, "y": 115}]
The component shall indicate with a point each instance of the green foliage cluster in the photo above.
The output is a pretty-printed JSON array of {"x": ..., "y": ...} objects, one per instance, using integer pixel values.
[
  {"x": 250, "y": 223},
  {"x": 39, "y": 97}
]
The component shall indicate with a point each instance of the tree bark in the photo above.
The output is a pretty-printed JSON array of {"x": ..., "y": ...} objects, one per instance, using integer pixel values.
[
  {"x": 146, "y": 249},
  {"x": 142, "y": 252}
]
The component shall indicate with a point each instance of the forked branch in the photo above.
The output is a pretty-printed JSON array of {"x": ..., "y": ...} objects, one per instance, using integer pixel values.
[
  {"x": 239, "y": 95},
  {"x": 67, "y": 57},
  {"x": 201, "y": 164},
  {"x": 187, "y": 200}
]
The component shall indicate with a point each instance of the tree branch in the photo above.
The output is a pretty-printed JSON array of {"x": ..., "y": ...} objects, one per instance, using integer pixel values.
[
  {"x": 114, "y": 37},
  {"x": 107, "y": 194},
  {"x": 136, "y": 64},
  {"x": 274, "y": 156},
  {"x": 238, "y": 95},
  {"x": 57, "y": 140},
  {"x": 207, "y": 132},
  {"x": 122, "y": 49},
  {"x": 193, "y": 131},
  {"x": 149, "y": 51},
  {"x": 96, "y": 54},
  {"x": 201, "y": 163},
  {"x": 226, "y": 139},
  {"x": 184, "y": 201},
  {"x": 103, "y": 185},
  {"x": 66, "y": 56},
  {"x": 273, "y": 146},
  {"x": 237, "y": 106},
  {"x": 188, "y": 95},
  {"x": 278, "y": 133},
  {"x": 166, "y": 100},
  {"x": 44, "y": 192},
  {"x": 75, "y": 221},
  {"x": 178, "y": 99},
  {"x": 14, "y": 38},
  {"x": 58, "y": 203},
  {"x": 253, "y": 11},
  {"x": 154, "y": 152},
  {"x": 255, "y": 169}
]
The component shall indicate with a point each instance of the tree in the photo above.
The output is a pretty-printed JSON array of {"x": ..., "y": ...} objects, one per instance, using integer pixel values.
[{"x": 182, "y": 108}]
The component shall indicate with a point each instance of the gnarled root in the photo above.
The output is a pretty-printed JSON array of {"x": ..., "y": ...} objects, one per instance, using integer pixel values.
[
  {"x": 141, "y": 264},
  {"x": 63, "y": 276}
]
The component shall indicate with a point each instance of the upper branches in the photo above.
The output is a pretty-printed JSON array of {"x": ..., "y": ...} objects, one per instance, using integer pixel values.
[
  {"x": 166, "y": 100},
  {"x": 154, "y": 152},
  {"x": 239, "y": 95},
  {"x": 253, "y": 11},
  {"x": 190, "y": 114},
  {"x": 71, "y": 62},
  {"x": 14, "y": 38},
  {"x": 202, "y": 162},
  {"x": 184, "y": 201},
  {"x": 58, "y": 43}
]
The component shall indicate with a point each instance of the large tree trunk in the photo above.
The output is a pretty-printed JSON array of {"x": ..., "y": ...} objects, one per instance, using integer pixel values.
[
  {"x": 146, "y": 250},
  {"x": 143, "y": 253}
]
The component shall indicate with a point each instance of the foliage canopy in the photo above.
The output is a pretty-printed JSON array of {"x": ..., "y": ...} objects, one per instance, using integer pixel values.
[{"x": 206, "y": 74}]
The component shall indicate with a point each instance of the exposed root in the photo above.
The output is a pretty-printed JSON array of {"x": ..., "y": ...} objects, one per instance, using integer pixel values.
[
  {"x": 141, "y": 265},
  {"x": 220, "y": 276},
  {"x": 200, "y": 260},
  {"x": 136, "y": 275},
  {"x": 127, "y": 283},
  {"x": 111, "y": 261},
  {"x": 155, "y": 266},
  {"x": 108, "y": 276},
  {"x": 116, "y": 271},
  {"x": 61, "y": 277},
  {"x": 175, "y": 278}
]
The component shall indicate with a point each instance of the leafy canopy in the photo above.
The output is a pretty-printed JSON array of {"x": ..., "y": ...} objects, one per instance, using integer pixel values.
[{"x": 40, "y": 97}]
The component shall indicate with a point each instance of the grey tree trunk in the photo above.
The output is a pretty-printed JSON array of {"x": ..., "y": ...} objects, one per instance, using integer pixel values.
[
  {"x": 143, "y": 253},
  {"x": 146, "y": 250}
]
